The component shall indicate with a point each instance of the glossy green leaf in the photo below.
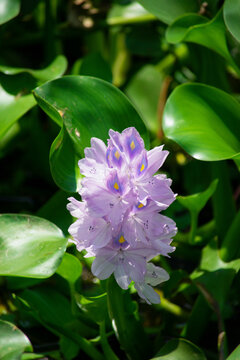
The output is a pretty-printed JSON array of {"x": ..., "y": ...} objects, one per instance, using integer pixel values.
[
  {"x": 143, "y": 90},
  {"x": 235, "y": 355},
  {"x": 88, "y": 107},
  {"x": 64, "y": 162},
  {"x": 29, "y": 246},
  {"x": 54, "y": 70},
  {"x": 12, "y": 108},
  {"x": 168, "y": 11},
  {"x": 70, "y": 268},
  {"x": 205, "y": 121},
  {"x": 128, "y": 14},
  {"x": 180, "y": 349},
  {"x": 195, "y": 203},
  {"x": 8, "y": 10},
  {"x": 231, "y": 16},
  {"x": 13, "y": 342},
  {"x": 198, "y": 29}
]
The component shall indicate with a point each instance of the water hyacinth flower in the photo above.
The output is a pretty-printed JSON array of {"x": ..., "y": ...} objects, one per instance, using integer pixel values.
[{"x": 118, "y": 219}]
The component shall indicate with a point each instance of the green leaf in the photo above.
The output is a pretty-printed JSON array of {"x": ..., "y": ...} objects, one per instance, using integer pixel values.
[
  {"x": 200, "y": 30},
  {"x": 64, "y": 162},
  {"x": 180, "y": 349},
  {"x": 12, "y": 108},
  {"x": 95, "y": 306},
  {"x": 205, "y": 121},
  {"x": 70, "y": 268},
  {"x": 143, "y": 90},
  {"x": 195, "y": 203},
  {"x": 168, "y": 11},
  {"x": 13, "y": 341},
  {"x": 9, "y": 9},
  {"x": 235, "y": 355},
  {"x": 215, "y": 274},
  {"x": 88, "y": 107},
  {"x": 231, "y": 16},
  {"x": 200, "y": 315},
  {"x": 54, "y": 70},
  {"x": 29, "y": 246},
  {"x": 128, "y": 14}
]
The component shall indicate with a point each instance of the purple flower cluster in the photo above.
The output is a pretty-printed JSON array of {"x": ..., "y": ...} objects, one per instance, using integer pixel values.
[{"x": 118, "y": 220}]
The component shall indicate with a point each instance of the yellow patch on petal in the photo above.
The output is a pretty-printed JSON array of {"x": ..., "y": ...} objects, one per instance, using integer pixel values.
[
  {"x": 116, "y": 186},
  {"x": 142, "y": 168},
  {"x": 132, "y": 145},
  {"x": 117, "y": 155},
  {"x": 121, "y": 240},
  {"x": 140, "y": 206}
]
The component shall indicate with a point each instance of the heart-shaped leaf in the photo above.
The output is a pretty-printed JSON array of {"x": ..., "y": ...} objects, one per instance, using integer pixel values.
[
  {"x": 13, "y": 341},
  {"x": 205, "y": 121},
  {"x": 88, "y": 107},
  {"x": 200, "y": 30},
  {"x": 29, "y": 246}
]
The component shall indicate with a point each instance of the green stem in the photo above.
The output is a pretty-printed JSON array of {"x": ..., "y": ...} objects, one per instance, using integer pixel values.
[
  {"x": 194, "y": 223},
  {"x": 203, "y": 234},
  {"x": 171, "y": 308},
  {"x": 119, "y": 20},
  {"x": 108, "y": 352},
  {"x": 122, "y": 312}
]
